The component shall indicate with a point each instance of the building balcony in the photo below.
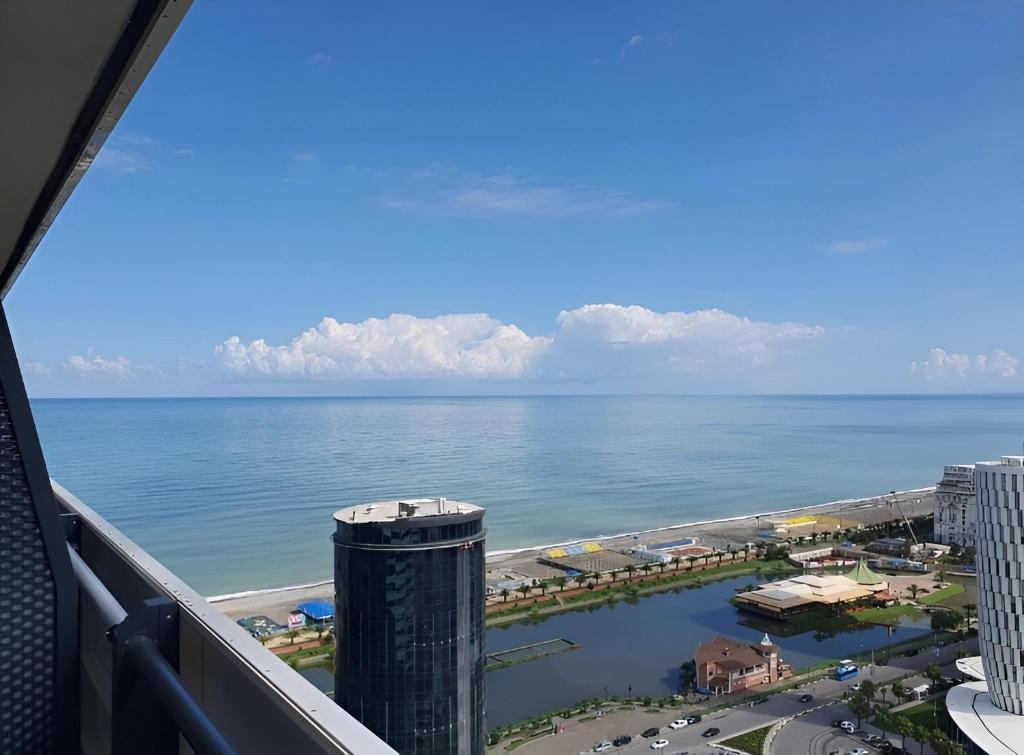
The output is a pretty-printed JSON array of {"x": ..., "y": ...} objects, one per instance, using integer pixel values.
[{"x": 161, "y": 670}]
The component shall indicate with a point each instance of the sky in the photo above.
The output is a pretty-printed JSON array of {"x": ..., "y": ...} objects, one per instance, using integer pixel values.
[{"x": 324, "y": 198}]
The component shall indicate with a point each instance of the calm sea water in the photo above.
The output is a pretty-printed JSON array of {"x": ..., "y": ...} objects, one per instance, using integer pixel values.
[{"x": 234, "y": 494}]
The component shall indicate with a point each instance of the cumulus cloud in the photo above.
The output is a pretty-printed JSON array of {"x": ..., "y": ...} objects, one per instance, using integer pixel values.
[
  {"x": 945, "y": 365},
  {"x": 858, "y": 246},
  {"x": 503, "y": 194},
  {"x": 472, "y": 345},
  {"x": 592, "y": 341},
  {"x": 93, "y": 365}
]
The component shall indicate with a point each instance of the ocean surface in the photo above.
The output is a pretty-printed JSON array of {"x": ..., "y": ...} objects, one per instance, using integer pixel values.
[{"x": 236, "y": 494}]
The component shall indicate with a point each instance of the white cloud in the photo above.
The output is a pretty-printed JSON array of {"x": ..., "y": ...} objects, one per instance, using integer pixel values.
[
  {"x": 319, "y": 58},
  {"x": 121, "y": 160},
  {"x": 634, "y": 41},
  {"x": 93, "y": 365},
  {"x": 473, "y": 345},
  {"x": 185, "y": 151},
  {"x": 305, "y": 156},
  {"x": 944, "y": 365},
  {"x": 481, "y": 196},
  {"x": 592, "y": 341},
  {"x": 858, "y": 246}
]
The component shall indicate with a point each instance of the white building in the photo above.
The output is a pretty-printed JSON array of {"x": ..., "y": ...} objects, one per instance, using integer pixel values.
[
  {"x": 989, "y": 714},
  {"x": 955, "y": 507}
]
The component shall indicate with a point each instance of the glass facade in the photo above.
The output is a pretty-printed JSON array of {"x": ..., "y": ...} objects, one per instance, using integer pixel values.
[
  {"x": 1001, "y": 580},
  {"x": 409, "y": 599}
]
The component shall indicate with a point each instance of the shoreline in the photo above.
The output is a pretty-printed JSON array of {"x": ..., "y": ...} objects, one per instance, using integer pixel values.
[{"x": 277, "y": 601}]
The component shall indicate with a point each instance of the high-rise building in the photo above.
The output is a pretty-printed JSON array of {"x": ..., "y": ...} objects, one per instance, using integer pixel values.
[
  {"x": 1001, "y": 578},
  {"x": 989, "y": 713},
  {"x": 409, "y": 617},
  {"x": 955, "y": 506}
]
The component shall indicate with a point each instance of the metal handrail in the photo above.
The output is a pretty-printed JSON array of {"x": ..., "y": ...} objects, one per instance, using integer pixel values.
[
  {"x": 203, "y": 737},
  {"x": 141, "y": 651},
  {"x": 110, "y": 611}
]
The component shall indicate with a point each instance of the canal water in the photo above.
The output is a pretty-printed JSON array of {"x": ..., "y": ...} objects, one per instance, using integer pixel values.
[{"x": 638, "y": 647}]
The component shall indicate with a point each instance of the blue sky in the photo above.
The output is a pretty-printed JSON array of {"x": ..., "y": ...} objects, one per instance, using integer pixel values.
[{"x": 719, "y": 196}]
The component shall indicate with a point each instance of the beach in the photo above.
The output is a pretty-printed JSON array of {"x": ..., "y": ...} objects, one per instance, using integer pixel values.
[{"x": 522, "y": 562}]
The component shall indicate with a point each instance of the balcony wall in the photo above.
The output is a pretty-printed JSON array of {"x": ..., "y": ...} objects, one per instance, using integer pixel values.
[{"x": 258, "y": 703}]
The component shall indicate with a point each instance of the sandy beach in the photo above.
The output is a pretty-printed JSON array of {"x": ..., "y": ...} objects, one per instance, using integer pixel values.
[{"x": 522, "y": 563}]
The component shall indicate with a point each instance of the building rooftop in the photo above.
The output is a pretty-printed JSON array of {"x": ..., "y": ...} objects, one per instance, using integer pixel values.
[
  {"x": 994, "y": 730},
  {"x": 971, "y": 667},
  {"x": 729, "y": 653},
  {"x": 1004, "y": 461},
  {"x": 407, "y": 508}
]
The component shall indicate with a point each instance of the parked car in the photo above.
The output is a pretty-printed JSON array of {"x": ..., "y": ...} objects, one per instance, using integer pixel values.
[
  {"x": 652, "y": 732},
  {"x": 622, "y": 739},
  {"x": 806, "y": 698},
  {"x": 693, "y": 719},
  {"x": 848, "y": 727},
  {"x": 855, "y": 687},
  {"x": 603, "y": 746},
  {"x": 714, "y": 731},
  {"x": 659, "y": 744},
  {"x": 679, "y": 723}
]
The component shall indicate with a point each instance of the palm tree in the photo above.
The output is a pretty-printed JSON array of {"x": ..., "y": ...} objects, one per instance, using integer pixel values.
[
  {"x": 898, "y": 690},
  {"x": 504, "y": 595},
  {"x": 560, "y": 581},
  {"x": 689, "y": 562},
  {"x": 630, "y": 568},
  {"x": 934, "y": 672},
  {"x": 859, "y": 705},
  {"x": 868, "y": 688},
  {"x": 913, "y": 589},
  {"x": 646, "y": 567},
  {"x": 661, "y": 566},
  {"x": 524, "y": 589},
  {"x": 580, "y": 579},
  {"x": 675, "y": 562}
]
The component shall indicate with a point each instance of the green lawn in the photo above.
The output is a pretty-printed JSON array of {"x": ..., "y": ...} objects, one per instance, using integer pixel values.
[
  {"x": 939, "y": 596},
  {"x": 931, "y": 714},
  {"x": 752, "y": 741},
  {"x": 889, "y": 615}
]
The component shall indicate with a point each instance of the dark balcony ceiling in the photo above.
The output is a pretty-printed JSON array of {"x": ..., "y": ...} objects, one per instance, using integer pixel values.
[{"x": 68, "y": 69}]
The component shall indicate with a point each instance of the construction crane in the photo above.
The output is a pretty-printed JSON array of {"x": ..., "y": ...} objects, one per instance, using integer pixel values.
[{"x": 910, "y": 529}]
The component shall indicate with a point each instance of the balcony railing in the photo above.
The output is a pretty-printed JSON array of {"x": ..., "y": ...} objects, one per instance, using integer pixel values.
[{"x": 163, "y": 671}]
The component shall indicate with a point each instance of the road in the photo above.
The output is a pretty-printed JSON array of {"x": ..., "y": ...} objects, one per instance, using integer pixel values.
[{"x": 810, "y": 732}]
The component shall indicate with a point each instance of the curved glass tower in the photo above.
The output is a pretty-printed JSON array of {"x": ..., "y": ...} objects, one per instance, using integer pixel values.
[
  {"x": 409, "y": 594},
  {"x": 1000, "y": 536}
]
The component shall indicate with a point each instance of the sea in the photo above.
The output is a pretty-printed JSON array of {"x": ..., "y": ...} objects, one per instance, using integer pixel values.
[{"x": 236, "y": 494}]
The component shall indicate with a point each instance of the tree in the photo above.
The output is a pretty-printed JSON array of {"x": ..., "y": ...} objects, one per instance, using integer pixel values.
[
  {"x": 524, "y": 589},
  {"x": 942, "y": 744},
  {"x": 913, "y": 589},
  {"x": 883, "y": 720},
  {"x": 947, "y": 620},
  {"x": 922, "y": 734},
  {"x": 675, "y": 562},
  {"x": 868, "y": 688},
  {"x": 860, "y": 706},
  {"x": 580, "y": 579},
  {"x": 291, "y": 635},
  {"x": 934, "y": 672},
  {"x": 661, "y": 566},
  {"x": 560, "y": 581},
  {"x": 630, "y": 568},
  {"x": 968, "y": 555},
  {"x": 905, "y": 727},
  {"x": 898, "y": 690},
  {"x": 954, "y": 549},
  {"x": 968, "y": 607},
  {"x": 646, "y": 567},
  {"x": 504, "y": 595},
  {"x": 690, "y": 560}
]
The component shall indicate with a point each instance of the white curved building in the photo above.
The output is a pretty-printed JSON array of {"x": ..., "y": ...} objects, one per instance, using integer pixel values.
[{"x": 989, "y": 714}]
